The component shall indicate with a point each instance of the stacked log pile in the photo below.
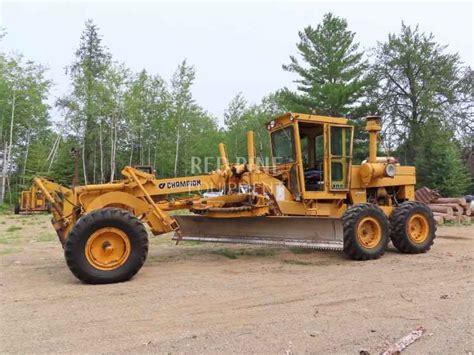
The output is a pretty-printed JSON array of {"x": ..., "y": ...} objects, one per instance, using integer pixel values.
[{"x": 445, "y": 209}]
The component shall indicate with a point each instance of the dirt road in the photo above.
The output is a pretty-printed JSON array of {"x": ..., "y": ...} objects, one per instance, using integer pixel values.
[{"x": 200, "y": 298}]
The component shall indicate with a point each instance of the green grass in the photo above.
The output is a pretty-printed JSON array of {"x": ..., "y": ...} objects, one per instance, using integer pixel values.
[
  {"x": 5, "y": 209},
  {"x": 13, "y": 228},
  {"x": 456, "y": 224},
  {"x": 190, "y": 243},
  {"x": 45, "y": 237},
  {"x": 298, "y": 250},
  {"x": 236, "y": 253},
  {"x": 10, "y": 250},
  {"x": 9, "y": 238}
]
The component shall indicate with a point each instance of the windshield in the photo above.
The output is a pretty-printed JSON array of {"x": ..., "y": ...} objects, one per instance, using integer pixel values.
[{"x": 283, "y": 145}]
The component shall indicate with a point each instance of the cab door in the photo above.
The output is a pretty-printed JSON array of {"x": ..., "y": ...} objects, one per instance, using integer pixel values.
[{"x": 340, "y": 157}]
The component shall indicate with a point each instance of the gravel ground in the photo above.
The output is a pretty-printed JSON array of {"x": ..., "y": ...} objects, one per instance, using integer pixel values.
[{"x": 200, "y": 298}]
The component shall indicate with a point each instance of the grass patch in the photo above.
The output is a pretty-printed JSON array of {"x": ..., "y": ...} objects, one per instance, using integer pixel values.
[
  {"x": 13, "y": 228},
  {"x": 298, "y": 250},
  {"x": 8, "y": 238},
  {"x": 297, "y": 262},
  {"x": 5, "y": 209},
  {"x": 450, "y": 223},
  {"x": 10, "y": 250},
  {"x": 236, "y": 253},
  {"x": 45, "y": 237},
  {"x": 161, "y": 240},
  {"x": 456, "y": 223},
  {"x": 190, "y": 243}
]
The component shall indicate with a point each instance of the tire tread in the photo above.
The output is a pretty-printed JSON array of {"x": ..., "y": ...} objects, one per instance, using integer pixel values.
[
  {"x": 349, "y": 224},
  {"x": 73, "y": 242},
  {"x": 398, "y": 222}
]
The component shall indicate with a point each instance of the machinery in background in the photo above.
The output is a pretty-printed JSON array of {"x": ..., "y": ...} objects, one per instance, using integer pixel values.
[{"x": 32, "y": 200}]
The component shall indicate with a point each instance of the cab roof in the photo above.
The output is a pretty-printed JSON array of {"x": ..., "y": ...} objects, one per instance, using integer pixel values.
[{"x": 308, "y": 117}]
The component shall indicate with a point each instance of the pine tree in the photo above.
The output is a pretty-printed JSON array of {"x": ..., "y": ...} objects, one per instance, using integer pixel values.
[
  {"x": 438, "y": 161},
  {"x": 333, "y": 76}
]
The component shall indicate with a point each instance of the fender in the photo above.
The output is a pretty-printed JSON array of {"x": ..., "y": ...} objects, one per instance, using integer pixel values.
[{"x": 115, "y": 198}]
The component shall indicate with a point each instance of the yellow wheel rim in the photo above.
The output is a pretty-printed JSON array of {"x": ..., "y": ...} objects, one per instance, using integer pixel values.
[
  {"x": 369, "y": 232},
  {"x": 418, "y": 228},
  {"x": 107, "y": 248}
]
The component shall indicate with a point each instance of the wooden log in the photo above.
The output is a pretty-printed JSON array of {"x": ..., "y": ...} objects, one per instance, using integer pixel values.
[
  {"x": 446, "y": 217},
  {"x": 466, "y": 220},
  {"x": 443, "y": 209},
  {"x": 457, "y": 209},
  {"x": 426, "y": 195},
  {"x": 454, "y": 219},
  {"x": 439, "y": 219},
  {"x": 402, "y": 343},
  {"x": 467, "y": 211},
  {"x": 459, "y": 200}
]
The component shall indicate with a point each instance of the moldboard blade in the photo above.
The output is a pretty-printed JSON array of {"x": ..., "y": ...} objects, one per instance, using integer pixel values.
[{"x": 291, "y": 231}]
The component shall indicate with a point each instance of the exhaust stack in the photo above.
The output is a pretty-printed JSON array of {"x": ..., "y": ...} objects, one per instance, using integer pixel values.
[
  {"x": 373, "y": 127},
  {"x": 375, "y": 167}
]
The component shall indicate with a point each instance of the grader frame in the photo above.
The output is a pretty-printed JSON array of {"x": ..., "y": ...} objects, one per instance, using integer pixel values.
[{"x": 312, "y": 196}]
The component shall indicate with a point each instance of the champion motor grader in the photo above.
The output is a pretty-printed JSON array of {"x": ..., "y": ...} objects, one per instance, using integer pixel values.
[{"x": 311, "y": 197}]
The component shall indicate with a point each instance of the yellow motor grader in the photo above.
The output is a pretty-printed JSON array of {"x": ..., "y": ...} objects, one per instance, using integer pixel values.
[
  {"x": 310, "y": 197},
  {"x": 30, "y": 201}
]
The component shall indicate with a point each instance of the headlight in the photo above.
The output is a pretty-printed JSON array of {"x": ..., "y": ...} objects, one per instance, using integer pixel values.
[{"x": 390, "y": 170}]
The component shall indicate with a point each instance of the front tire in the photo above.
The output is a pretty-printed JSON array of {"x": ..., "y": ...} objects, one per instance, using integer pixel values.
[
  {"x": 366, "y": 232},
  {"x": 17, "y": 209},
  {"x": 106, "y": 246},
  {"x": 412, "y": 228}
]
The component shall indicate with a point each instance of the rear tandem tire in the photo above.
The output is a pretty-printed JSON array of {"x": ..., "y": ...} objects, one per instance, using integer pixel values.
[
  {"x": 412, "y": 227},
  {"x": 106, "y": 246},
  {"x": 366, "y": 232}
]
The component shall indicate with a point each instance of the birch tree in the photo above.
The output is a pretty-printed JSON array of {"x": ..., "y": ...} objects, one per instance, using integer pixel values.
[{"x": 23, "y": 113}]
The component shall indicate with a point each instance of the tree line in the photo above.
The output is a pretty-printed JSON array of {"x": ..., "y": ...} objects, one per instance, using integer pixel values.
[{"x": 112, "y": 116}]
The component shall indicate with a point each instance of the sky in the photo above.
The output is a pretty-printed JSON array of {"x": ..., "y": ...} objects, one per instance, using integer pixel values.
[{"x": 234, "y": 47}]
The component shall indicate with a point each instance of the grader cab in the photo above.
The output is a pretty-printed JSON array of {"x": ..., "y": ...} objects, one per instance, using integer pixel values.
[{"x": 311, "y": 196}]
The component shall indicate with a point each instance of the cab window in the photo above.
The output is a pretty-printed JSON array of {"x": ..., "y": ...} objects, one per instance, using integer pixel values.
[
  {"x": 340, "y": 157},
  {"x": 312, "y": 153},
  {"x": 283, "y": 145}
]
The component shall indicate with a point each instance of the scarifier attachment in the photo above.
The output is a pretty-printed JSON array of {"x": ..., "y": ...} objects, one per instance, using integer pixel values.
[{"x": 304, "y": 232}]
